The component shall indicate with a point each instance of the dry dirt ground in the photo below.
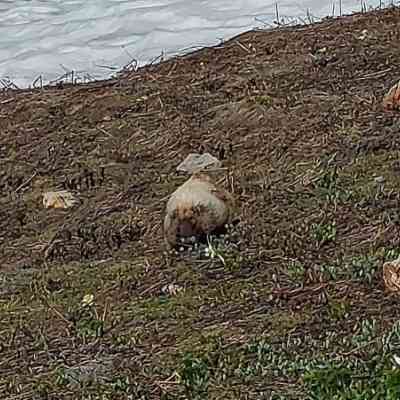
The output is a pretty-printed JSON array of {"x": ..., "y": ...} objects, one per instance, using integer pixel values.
[{"x": 296, "y": 310}]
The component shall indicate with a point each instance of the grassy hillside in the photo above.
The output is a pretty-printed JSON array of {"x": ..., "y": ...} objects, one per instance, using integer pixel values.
[{"x": 93, "y": 305}]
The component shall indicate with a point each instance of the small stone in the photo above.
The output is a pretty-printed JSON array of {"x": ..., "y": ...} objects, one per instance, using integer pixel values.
[
  {"x": 172, "y": 289},
  {"x": 391, "y": 275},
  {"x": 88, "y": 300},
  {"x": 396, "y": 359},
  {"x": 391, "y": 101},
  {"x": 195, "y": 162},
  {"x": 93, "y": 371},
  {"x": 191, "y": 239},
  {"x": 364, "y": 34},
  {"x": 60, "y": 199},
  {"x": 379, "y": 179}
]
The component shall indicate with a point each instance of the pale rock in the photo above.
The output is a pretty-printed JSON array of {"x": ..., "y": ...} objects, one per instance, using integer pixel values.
[
  {"x": 391, "y": 100},
  {"x": 171, "y": 289},
  {"x": 89, "y": 372},
  {"x": 391, "y": 275},
  {"x": 195, "y": 162},
  {"x": 364, "y": 34},
  {"x": 60, "y": 199}
]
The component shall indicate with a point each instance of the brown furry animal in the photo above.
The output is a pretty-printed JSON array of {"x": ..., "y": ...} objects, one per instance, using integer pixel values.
[{"x": 197, "y": 208}]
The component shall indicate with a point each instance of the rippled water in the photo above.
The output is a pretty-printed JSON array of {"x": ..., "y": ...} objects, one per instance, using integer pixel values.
[{"x": 96, "y": 37}]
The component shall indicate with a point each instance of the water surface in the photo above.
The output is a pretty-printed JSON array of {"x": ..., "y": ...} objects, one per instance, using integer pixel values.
[{"x": 97, "y": 37}]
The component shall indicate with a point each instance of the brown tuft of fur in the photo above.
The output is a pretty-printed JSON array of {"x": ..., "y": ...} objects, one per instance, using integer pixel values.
[{"x": 196, "y": 208}]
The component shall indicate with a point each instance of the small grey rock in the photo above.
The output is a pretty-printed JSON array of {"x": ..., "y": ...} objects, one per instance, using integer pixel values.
[
  {"x": 195, "y": 162},
  {"x": 379, "y": 179}
]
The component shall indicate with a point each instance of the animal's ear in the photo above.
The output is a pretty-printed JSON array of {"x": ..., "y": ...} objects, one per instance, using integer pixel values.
[{"x": 391, "y": 100}]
